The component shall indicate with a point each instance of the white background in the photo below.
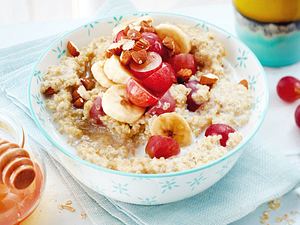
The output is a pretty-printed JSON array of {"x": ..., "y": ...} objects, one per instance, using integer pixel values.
[{"x": 24, "y": 20}]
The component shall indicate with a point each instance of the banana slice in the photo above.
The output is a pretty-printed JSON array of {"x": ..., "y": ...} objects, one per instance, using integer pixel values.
[
  {"x": 172, "y": 125},
  {"x": 116, "y": 105},
  {"x": 115, "y": 71},
  {"x": 169, "y": 30},
  {"x": 99, "y": 75}
]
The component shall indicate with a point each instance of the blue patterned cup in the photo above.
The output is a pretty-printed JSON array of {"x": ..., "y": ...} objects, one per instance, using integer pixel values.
[
  {"x": 271, "y": 30},
  {"x": 148, "y": 189}
]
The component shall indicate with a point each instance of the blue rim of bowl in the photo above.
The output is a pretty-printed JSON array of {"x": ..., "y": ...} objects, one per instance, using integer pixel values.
[{"x": 161, "y": 175}]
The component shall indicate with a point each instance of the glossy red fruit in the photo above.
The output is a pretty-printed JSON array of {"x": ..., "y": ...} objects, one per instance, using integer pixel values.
[
  {"x": 160, "y": 81},
  {"x": 191, "y": 104},
  {"x": 183, "y": 61},
  {"x": 297, "y": 116},
  {"x": 121, "y": 34},
  {"x": 168, "y": 56},
  {"x": 161, "y": 146},
  {"x": 139, "y": 95},
  {"x": 97, "y": 111},
  {"x": 220, "y": 129},
  {"x": 173, "y": 76},
  {"x": 164, "y": 105},
  {"x": 155, "y": 43},
  {"x": 288, "y": 89},
  {"x": 152, "y": 64}
]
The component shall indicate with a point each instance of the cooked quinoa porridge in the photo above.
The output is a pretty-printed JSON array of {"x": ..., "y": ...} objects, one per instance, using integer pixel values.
[{"x": 148, "y": 99}]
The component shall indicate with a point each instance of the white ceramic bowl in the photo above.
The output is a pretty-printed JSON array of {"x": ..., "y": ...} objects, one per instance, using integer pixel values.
[{"x": 149, "y": 189}]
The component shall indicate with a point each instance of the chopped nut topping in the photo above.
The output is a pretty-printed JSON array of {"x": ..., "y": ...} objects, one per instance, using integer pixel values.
[
  {"x": 88, "y": 83},
  {"x": 185, "y": 74},
  {"x": 171, "y": 44},
  {"x": 49, "y": 92},
  {"x": 208, "y": 79},
  {"x": 137, "y": 27},
  {"x": 139, "y": 56},
  {"x": 244, "y": 83},
  {"x": 108, "y": 53},
  {"x": 141, "y": 44},
  {"x": 126, "y": 30},
  {"x": 79, "y": 103},
  {"x": 75, "y": 95},
  {"x": 72, "y": 49},
  {"x": 128, "y": 45},
  {"x": 118, "y": 44},
  {"x": 78, "y": 95},
  {"x": 114, "y": 49},
  {"x": 134, "y": 34},
  {"x": 125, "y": 57},
  {"x": 168, "y": 42},
  {"x": 146, "y": 27}
]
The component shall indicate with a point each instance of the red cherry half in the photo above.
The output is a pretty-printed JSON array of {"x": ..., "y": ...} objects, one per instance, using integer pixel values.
[
  {"x": 156, "y": 44},
  {"x": 121, "y": 34},
  {"x": 152, "y": 64},
  {"x": 183, "y": 61},
  {"x": 139, "y": 95},
  {"x": 191, "y": 104},
  {"x": 297, "y": 116},
  {"x": 161, "y": 146},
  {"x": 165, "y": 104},
  {"x": 160, "y": 81},
  {"x": 220, "y": 129},
  {"x": 97, "y": 111}
]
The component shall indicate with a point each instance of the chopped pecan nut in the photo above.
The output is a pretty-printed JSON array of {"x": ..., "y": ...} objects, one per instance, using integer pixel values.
[
  {"x": 126, "y": 30},
  {"x": 125, "y": 57},
  {"x": 128, "y": 45},
  {"x": 141, "y": 44},
  {"x": 208, "y": 79},
  {"x": 244, "y": 83},
  {"x": 108, "y": 53},
  {"x": 146, "y": 27},
  {"x": 75, "y": 95},
  {"x": 79, "y": 103},
  {"x": 170, "y": 44},
  {"x": 72, "y": 49},
  {"x": 88, "y": 83},
  {"x": 113, "y": 49},
  {"x": 134, "y": 34},
  {"x": 49, "y": 92},
  {"x": 139, "y": 56},
  {"x": 185, "y": 74},
  {"x": 135, "y": 26}
]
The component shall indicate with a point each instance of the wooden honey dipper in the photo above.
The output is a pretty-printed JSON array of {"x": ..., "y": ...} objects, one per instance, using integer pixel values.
[{"x": 16, "y": 168}]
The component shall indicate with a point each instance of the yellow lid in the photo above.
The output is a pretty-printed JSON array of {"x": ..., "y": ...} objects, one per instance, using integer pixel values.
[{"x": 269, "y": 10}]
